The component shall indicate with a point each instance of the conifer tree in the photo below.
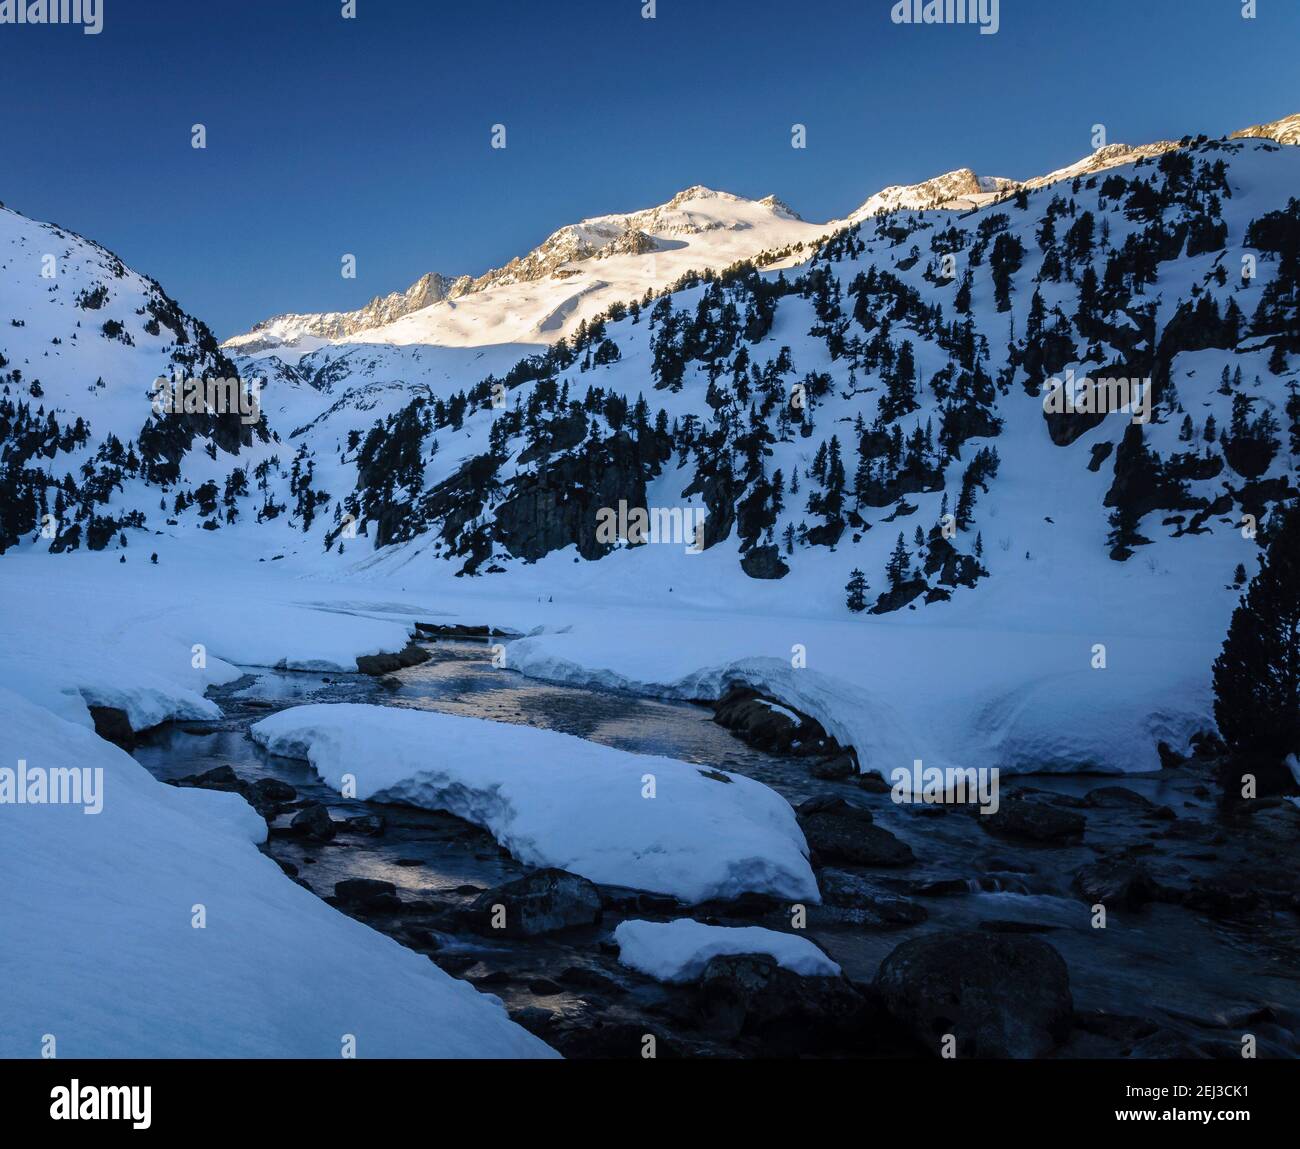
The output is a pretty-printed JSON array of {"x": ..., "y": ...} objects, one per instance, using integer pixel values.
[
  {"x": 897, "y": 568},
  {"x": 1257, "y": 674},
  {"x": 856, "y": 591}
]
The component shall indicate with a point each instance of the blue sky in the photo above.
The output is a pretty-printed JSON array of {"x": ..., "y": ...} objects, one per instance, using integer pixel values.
[{"x": 371, "y": 135}]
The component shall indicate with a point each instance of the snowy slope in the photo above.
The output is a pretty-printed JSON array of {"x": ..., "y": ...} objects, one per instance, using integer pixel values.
[{"x": 102, "y": 955}]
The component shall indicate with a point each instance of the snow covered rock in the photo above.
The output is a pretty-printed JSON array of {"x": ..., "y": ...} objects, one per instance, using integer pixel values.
[
  {"x": 621, "y": 819},
  {"x": 679, "y": 951}
]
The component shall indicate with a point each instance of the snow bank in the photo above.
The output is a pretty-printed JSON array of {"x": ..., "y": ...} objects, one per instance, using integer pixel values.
[
  {"x": 950, "y": 696},
  {"x": 678, "y": 951},
  {"x": 554, "y": 800},
  {"x": 149, "y": 640},
  {"x": 97, "y": 946}
]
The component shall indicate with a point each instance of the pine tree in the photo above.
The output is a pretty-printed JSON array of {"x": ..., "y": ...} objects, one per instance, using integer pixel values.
[
  {"x": 1277, "y": 361},
  {"x": 856, "y": 590},
  {"x": 1257, "y": 674},
  {"x": 897, "y": 568}
]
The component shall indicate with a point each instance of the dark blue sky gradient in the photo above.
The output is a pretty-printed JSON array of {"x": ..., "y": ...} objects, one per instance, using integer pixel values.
[{"x": 371, "y": 135}]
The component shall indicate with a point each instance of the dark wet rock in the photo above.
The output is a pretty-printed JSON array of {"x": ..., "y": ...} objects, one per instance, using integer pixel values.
[
  {"x": 873, "y": 783},
  {"x": 1121, "y": 882},
  {"x": 314, "y": 821},
  {"x": 218, "y": 778},
  {"x": 1117, "y": 798},
  {"x": 481, "y": 974},
  {"x": 288, "y": 867},
  {"x": 772, "y": 726},
  {"x": 368, "y": 893},
  {"x": 833, "y": 769},
  {"x": 824, "y": 803},
  {"x": 544, "y": 987},
  {"x": 112, "y": 725},
  {"x": 533, "y": 1018},
  {"x": 1035, "y": 820},
  {"x": 409, "y": 862},
  {"x": 377, "y": 664},
  {"x": 837, "y": 831},
  {"x": 998, "y": 995},
  {"x": 271, "y": 790},
  {"x": 755, "y": 721},
  {"x": 621, "y": 1039},
  {"x": 372, "y": 825},
  {"x": 538, "y": 903},
  {"x": 1232, "y": 896},
  {"x": 421, "y": 938},
  {"x": 750, "y": 994},
  {"x": 454, "y": 630},
  {"x": 859, "y": 901}
]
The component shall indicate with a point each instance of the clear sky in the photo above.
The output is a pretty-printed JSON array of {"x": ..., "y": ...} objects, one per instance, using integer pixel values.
[{"x": 371, "y": 135}]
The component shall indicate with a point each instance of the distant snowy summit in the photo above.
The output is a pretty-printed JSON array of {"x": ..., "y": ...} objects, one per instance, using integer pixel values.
[
  {"x": 717, "y": 228},
  {"x": 623, "y": 255}
]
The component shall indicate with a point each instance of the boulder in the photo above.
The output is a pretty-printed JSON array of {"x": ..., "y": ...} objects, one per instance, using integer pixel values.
[
  {"x": 750, "y": 995},
  {"x": 368, "y": 893},
  {"x": 372, "y": 825},
  {"x": 837, "y": 831},
  {"x": 313, "y": 821},
  {"x": 538, "y": 903},
  {"x": 859, "y": 901},
  {"x": 999, "y": 995},
  {"x": 1116, "y": 882},
  {"x": 376, "y": 664},
  {"x": 1035, "y": 820},
  {"x": 764, "y": 563}
]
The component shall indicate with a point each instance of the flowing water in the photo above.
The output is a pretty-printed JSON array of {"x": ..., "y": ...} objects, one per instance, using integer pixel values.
[{"x": 1162, "y": 961}]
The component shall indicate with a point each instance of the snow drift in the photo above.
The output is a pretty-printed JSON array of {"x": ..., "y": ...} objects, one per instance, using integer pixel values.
[{"x": 621, "y": 819}]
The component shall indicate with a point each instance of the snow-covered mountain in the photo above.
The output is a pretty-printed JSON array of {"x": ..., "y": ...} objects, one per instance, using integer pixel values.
[
  {"x": 709, "y": 229},
  {"x": 953, "y": 191},
  {"x": 575, "y": 272}
]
